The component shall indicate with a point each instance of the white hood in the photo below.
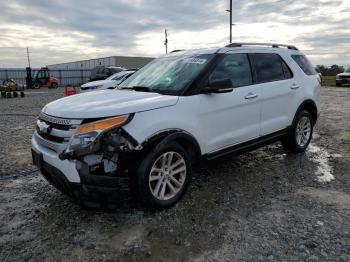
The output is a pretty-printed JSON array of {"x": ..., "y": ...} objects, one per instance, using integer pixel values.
[{"x": 107, "y": 103}]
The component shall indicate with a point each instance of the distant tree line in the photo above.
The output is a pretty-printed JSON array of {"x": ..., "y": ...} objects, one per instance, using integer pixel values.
[{"x": 330, "y": 70}]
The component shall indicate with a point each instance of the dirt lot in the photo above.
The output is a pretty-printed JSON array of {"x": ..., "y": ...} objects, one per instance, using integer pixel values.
[{"x": 262, "y": 206}]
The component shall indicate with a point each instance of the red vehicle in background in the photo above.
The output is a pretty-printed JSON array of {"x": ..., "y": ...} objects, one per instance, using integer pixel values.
[{"x": 41, "y": 78}]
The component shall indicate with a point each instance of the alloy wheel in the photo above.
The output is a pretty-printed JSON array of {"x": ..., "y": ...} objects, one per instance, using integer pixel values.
[
  {"x": 167, "y": 176},
  {"x": 303, "y": 131}
]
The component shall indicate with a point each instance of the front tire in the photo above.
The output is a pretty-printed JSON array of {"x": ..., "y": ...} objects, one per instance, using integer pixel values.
[
  {"x": 163, "y": 176},
  {"x": 338, "y": 84},
  {"x": 300, "y": 133}
]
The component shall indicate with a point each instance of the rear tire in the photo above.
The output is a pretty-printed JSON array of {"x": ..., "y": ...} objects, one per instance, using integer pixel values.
[
  {"x": 300, "y": 133},
  {"x": 163, "y": 176},
  {"x": 54, "y": 85}
]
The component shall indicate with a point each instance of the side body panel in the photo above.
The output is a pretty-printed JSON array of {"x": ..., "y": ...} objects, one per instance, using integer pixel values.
[{"x": 228, "y": 119}]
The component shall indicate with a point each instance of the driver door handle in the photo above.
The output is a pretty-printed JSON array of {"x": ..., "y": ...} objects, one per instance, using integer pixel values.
[
  {"x": 294, "y": 86},
  {"x": 251, "y": 95}
]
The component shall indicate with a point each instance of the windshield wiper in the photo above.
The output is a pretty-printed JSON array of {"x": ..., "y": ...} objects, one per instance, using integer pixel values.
[{"x": 139, "y": 88}]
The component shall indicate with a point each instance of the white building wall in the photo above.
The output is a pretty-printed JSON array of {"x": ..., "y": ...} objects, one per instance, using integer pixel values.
[{"x": 123, "y": 61}]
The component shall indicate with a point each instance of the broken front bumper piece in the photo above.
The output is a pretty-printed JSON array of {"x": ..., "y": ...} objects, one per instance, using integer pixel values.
[{"x": 93, "y": 190}]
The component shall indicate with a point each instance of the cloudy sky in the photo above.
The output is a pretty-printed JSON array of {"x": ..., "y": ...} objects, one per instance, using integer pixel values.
[{"x": 69, "y": 30}]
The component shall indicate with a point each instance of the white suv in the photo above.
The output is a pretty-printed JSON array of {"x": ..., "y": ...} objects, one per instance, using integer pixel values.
[{"x": 180, "y": 108}]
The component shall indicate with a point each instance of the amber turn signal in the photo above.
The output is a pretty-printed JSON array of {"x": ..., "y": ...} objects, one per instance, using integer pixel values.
[{"x": 102, "y": 125}]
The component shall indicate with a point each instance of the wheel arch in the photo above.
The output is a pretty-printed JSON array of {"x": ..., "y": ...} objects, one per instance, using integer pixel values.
[
  {"x": 185, "y": 139},
  {"x": 311, "y": 107}
]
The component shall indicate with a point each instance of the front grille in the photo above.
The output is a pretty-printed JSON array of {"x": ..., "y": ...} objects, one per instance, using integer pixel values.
[
  {"x": 52, "y": 138},
  {"x": 58, "y": 120},
  {"x": 54, "y": 133},
  {"x": 345, "y": 77},
  {"x": 58, "y": 126}
]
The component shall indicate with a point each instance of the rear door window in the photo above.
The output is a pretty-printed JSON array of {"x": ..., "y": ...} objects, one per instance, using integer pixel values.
[
  {"x": 235, "y": 67},
  {"x": 286, "y": 70},
  {"x": 269, "y": 68},
  {"x": 304, "y": 64}
]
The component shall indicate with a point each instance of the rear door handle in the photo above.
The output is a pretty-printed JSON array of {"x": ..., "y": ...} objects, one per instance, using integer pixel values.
[
  {"x": 294, "y": 86},
  {"x": 251, "y": 95}
]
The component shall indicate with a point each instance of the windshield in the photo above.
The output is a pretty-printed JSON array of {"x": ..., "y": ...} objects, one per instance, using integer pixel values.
[
  {"x": 168, "y": 75},
  {"x": 347, "y": 70}
]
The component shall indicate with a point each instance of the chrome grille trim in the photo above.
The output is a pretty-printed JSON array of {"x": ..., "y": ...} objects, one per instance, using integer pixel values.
[
  {"x": 57, "y": 147},
  {"x": 54, "y": 133},
  {"x": 61, "y": 133},
  {"x": 58, "y": 120},
  {"x": 67, "y": 134}
]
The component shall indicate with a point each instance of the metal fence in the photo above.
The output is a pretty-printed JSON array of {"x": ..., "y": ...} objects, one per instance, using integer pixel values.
[{"x": 65, "y": 76}]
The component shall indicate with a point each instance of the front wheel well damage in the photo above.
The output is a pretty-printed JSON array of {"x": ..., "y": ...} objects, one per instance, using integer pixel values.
[{"x": 187, "y": 141}]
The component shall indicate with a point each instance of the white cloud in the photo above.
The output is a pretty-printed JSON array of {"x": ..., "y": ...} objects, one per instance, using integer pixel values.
[{"x": 76, "y": 30}]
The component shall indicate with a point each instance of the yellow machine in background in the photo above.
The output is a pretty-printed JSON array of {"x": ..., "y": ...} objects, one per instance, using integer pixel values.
[{"x": 10, "y": 88}]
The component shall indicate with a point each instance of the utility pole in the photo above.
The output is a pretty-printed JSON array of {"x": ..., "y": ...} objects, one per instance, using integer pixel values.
[
  {"x": 166, "y": 41},
  {"x": 28, "y": 56},
  {"x": 230, "y": 11}
]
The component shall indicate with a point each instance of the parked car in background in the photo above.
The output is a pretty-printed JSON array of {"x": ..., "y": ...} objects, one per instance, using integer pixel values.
[
  {"x": 102, "y": 72},
  {"x": 109, "y": 83},
  {"x": 343, "y": 78},
  {"x": 181, "y": 108}
]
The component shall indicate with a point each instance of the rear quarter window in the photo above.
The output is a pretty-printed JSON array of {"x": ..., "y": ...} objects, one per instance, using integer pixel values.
[{"x": 304, "y": 64}]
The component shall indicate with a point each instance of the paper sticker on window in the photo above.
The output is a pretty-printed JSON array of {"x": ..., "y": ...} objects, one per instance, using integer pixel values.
[{"x": 199, "y": 61}]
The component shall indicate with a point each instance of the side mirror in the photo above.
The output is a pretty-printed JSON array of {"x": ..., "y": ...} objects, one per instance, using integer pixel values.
[{"x": 220, "y": 86}]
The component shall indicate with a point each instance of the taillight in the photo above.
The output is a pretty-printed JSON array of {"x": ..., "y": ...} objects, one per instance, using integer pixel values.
[{"x": 319, "y": 78}]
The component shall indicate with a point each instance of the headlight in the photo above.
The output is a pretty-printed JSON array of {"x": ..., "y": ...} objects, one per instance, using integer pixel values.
[
  {"x": 337, "y": 77},
  {"x": 86, "y": 137}
]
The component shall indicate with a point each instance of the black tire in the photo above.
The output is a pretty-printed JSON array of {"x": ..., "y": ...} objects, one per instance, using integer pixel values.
[
  {"x": 36, "y": 86},
  {"x": 289, "y": 142},
  {"x": 8, "y": 95},
  {"x": 3, "y": 94},
  {"x": 54, "y": 85},
  {"x": 22, "y": 94},
  {"x": 15, "y": 94},
  {"x": 338, "y": 84},
  {"x": 144, "y": 170}
]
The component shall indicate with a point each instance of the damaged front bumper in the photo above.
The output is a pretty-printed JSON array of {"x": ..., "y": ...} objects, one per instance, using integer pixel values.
[
  {"x": 92, "y": 191},
  {"x": 75, "y": 178}
]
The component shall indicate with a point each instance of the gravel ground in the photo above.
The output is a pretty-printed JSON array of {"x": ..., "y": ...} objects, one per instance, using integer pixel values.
[{"x": 262, "y": 206}]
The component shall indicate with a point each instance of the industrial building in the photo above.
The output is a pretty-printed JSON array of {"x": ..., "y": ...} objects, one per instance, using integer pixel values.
[{"x": 122, "y": 61}]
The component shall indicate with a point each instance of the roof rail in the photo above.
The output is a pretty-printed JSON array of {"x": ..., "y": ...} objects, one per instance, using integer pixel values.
[{"x": 262, "y": 44}]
